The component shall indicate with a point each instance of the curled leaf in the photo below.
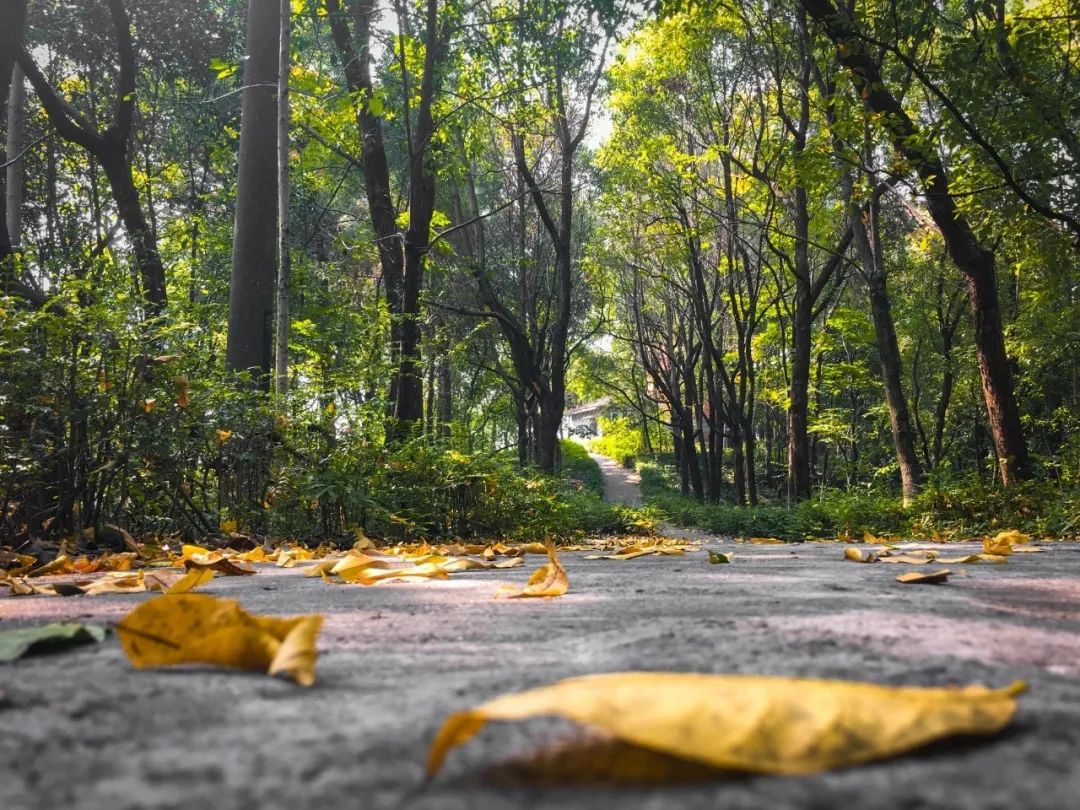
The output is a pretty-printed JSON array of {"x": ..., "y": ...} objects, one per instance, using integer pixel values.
[
  {"x": 861, "y": 555},
  {"x": 547, "y": 580},
  {"x": 197, "y": 628},
  {"x": 925, "y": 578},
  {"x": 718, "y": 558},
  {"x": 758, "y": 724}
]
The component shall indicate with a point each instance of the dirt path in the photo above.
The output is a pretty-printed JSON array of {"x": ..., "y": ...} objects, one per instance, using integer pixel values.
[{"x": 82, "y": 729}]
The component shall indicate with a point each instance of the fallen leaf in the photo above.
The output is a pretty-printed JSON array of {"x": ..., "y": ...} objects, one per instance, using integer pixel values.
[
  {"x": 61, "y": 565},
  {"x": 632, "y": 552},
  {"x": 373, "y": 574},
  {"x": 766, "y": 541},
  {"x": 126, "y": 583},
  {"x": 758, "y": 724},
  {"x": 860, "y": 555},
  {"x": 717, "y": 557},
  {"x": 14, "y": 644},
  {"x": 909, "y": 559},
  {"x": 547, "y": 580},
  {"x": 924, "y": 577},
  {"x": 197, "y": 628},
  {"x": 191, "y": 580},
  {"x": 257, "y": 554}
]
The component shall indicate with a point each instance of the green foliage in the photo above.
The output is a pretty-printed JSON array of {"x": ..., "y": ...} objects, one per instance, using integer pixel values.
[
  {"x": 958, "y": 509},
  {"x": 578, "y": 466},
  {"x": 620, "y": 439}
]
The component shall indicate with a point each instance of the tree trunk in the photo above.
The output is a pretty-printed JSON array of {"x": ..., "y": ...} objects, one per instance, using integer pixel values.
[
  {"x": 251, "y": 292},
  {"x": 13, "y": 191},
  {"x": 973, "y": 260},
  {"x": 13, "y": 13},
  {"x": 869, "y": 250},
  {"x": 284, "y": 266},
  {"x": 798, "y": 436}
]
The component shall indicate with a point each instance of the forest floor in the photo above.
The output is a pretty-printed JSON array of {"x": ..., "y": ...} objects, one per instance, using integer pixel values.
[{"x": 82, "y": 729}]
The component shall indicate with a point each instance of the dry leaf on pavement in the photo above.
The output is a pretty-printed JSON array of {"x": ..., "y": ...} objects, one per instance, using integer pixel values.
[
  {"x": 759, "y": 724},
  {"x": 925, "y": 577},
  {"x": 861, "y": 555},
  {"x": 197, "y": 628},
  {"x": 547, "y": 580}
]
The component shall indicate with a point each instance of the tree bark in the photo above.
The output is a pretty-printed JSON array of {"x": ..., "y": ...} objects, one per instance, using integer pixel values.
[
  {"x": 970, "y": 257},
  {"x": 251, "y": 292},
  {"x": 868, "y": 248},
  {"x": 13, "y": 12},
  {"x": 13, "y": 188},
  {"x": 284, "y": 265}
]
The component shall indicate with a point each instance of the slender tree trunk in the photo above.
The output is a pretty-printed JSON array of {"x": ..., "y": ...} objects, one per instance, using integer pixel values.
[
  {"x": 868, "y": 248},
  {"x": 13, "y": 191},
  {"x": 284, "y": 266},
  {"x": 251, "y": 292},
  {"x": 798, "y": 436},
  {"x": 13, "y": 14}
]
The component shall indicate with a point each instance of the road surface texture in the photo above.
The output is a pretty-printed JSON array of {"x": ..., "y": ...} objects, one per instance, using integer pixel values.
[{"x": 82, "y": 729}]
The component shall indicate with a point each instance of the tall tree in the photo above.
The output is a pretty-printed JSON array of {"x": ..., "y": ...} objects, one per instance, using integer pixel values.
[
  {"x": 111, "y": 148},
  {"x": 251, "y": 291},
  {"x": 402, "y": 256},
  {"x": 975, "y": 261}
]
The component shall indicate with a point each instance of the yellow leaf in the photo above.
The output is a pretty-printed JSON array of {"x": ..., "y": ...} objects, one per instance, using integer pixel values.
[
  {"x": 125, "y": 583},
  {"x": 147, "y": 405},
  {"x": 257, "y": 554},
  {"x": 196, "y": 628},
  {"x": 910, "y": 559},
  {"x": 61, "y": 565},
  {"x": 192, "y": 580},
  {"x": 631, "y": 552},
  {"x": 766, "y": 541},
  {"x": 374, "y": 573},
  {"x": 320, "y": 569},
  {"x": 860, "y": 555},
  {"x": 716, "y": 557},
  {"x": 759, "y": 724},
  {"x": 924, "y": 578},
  {"x": 219, "y": 564},
  {"x": 222, "y": 437},
  {"x": 547, "y": 580}
]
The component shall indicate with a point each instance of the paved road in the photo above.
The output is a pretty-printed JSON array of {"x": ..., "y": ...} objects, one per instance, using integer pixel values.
[
  {"x": 620, "y": 484},
  {"x": 82, "y": 729}
]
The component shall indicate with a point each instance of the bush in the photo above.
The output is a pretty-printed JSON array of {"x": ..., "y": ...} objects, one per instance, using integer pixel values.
[
  {"x": 958, "y": 509},
  {"x": 577, "y": 466},
  {"x": 620, "y": 439}
]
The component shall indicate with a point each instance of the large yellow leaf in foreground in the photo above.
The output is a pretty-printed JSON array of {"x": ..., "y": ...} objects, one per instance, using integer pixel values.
[
  {"x": 196, "y": 628},
  {"x": 759, "y": 724}
]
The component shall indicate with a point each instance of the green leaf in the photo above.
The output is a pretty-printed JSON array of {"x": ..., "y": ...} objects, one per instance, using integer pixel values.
[
  {"x": 14, "y": 644},
  {"x": 222, "y": 68},
  {"x": 717, "y": 558}
]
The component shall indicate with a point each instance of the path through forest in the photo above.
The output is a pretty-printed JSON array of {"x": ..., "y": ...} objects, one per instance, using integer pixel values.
[
  {"x": 82, "y": 729},
  {"x": 620, "y": 484}
]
